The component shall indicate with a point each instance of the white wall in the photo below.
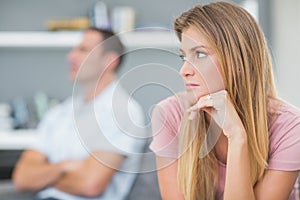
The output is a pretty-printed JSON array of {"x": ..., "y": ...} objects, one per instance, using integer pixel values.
[{"x": 286, "y": 48}]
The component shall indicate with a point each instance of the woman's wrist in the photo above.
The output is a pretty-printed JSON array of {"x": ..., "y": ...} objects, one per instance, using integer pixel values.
[{"x": 237, "y": 136}]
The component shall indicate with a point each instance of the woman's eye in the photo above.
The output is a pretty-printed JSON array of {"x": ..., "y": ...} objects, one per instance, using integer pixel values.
[
  {"x": 201, "y": 55},
  {"x": 182, "y": 57}
]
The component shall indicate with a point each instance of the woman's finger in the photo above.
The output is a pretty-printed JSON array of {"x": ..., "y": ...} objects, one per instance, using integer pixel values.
[
  {"x": 206, "y": 101},
  {"x": 192, "y": 115}
]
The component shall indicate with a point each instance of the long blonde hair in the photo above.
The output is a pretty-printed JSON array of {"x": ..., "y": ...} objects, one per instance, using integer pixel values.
[{"x": 243, "y": 54}]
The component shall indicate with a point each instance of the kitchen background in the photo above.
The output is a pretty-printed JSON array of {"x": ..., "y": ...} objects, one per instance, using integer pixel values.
[
  {"x": 34, "y": 69},
  {"x": 28, "y": 70}
]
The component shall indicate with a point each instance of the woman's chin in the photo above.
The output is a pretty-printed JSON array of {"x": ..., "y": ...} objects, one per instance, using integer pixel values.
[{"x": 191, "y": 97}]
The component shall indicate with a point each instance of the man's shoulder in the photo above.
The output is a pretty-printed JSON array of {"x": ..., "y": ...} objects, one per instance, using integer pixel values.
[{"x": 59, "y": 108}]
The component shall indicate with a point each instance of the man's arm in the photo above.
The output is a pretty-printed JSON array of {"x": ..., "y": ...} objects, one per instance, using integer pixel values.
[
  {"x": 34, "y": 172},
  {"x": 93, "y": 176}
]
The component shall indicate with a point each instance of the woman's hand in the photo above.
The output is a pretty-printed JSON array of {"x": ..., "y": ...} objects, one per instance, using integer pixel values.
[{"x": 219, "y": 106}]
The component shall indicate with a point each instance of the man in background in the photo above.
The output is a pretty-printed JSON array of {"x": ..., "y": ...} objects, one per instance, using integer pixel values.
[{"x": 86, "y": 143}]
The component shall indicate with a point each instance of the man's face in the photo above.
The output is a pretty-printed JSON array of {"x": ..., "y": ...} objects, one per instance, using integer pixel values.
[{"x": 87, "y": 59}]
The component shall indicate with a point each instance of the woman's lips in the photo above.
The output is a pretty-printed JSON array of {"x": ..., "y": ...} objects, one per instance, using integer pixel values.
[{"x": 191, "y": 85}]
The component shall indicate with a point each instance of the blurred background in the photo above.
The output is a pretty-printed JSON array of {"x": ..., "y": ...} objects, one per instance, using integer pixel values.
[{"x": 35, "y": 37}]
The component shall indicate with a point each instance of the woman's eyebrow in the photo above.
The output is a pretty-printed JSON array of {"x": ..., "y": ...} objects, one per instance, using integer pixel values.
[
  {"x": 194, "y": 48},
  {"x": 198, "y": 47}
]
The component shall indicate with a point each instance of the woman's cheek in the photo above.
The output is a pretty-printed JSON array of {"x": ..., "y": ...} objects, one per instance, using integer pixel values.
[{"x": 213, "y": 79}]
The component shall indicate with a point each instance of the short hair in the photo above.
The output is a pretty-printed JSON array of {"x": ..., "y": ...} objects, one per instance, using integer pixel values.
[{"x": 111, "y": 42}]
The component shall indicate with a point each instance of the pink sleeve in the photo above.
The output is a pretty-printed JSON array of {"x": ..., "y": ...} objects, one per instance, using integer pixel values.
[
  {"x": 166, "y": 118},
  {"x": 285, "y": 142}
]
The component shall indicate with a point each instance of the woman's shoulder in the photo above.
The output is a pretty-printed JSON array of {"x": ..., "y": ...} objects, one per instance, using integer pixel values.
[
  {"x": 168, "y": 113},
  {"x": 285, "y": 123},
  {"x": 286, "y": 113},
  {"x": 174, "y": 100},
  {"x": 166, "y": 119},
  {"x": 284, "y": 136},
  {"x": 173, "y": 105}
]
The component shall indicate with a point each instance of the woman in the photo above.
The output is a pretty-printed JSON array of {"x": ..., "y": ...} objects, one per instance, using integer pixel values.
[{"x": 236, "y": 140}]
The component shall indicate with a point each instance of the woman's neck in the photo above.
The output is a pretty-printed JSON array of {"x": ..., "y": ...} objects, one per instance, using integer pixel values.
[
  {"x": 221, "y": 148},
  {"x": 221, "y": 145}
]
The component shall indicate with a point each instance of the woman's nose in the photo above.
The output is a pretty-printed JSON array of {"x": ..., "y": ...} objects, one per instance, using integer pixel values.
[
  {"x": 187, "y": 69},
  {"x": 71, "y": 55}
]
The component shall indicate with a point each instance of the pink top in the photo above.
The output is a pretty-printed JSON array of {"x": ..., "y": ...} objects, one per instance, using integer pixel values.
[{"x": 284, "y": 136}]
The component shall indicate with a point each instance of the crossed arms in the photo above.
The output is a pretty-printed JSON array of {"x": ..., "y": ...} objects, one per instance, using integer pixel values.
[{"x": 87, "y": 177}]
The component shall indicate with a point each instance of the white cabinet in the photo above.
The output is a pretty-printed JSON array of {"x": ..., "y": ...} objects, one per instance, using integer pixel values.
[
  {"x": 63, "y": 39},
  {"x": 17, "y": 140}
]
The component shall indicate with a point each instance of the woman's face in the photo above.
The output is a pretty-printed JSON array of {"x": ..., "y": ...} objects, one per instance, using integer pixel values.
[{"x": 200, "y": 70}]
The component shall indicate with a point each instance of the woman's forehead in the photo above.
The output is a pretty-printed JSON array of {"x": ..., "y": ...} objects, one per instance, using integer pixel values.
[{"x": 191, "y": 38}]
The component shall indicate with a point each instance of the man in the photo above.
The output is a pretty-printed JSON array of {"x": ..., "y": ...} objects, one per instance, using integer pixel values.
[{"x": 86, "y": 144}]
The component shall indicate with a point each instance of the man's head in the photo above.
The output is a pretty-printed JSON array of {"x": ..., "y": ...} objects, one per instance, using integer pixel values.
[{"x": 99, "y": 53}]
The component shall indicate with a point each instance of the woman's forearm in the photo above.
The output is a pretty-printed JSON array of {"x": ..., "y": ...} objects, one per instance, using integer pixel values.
[{"x": 238, "y": 183}]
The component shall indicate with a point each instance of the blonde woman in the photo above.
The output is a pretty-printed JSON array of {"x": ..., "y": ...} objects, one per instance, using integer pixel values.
[{"x": 236, "y": 139}]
